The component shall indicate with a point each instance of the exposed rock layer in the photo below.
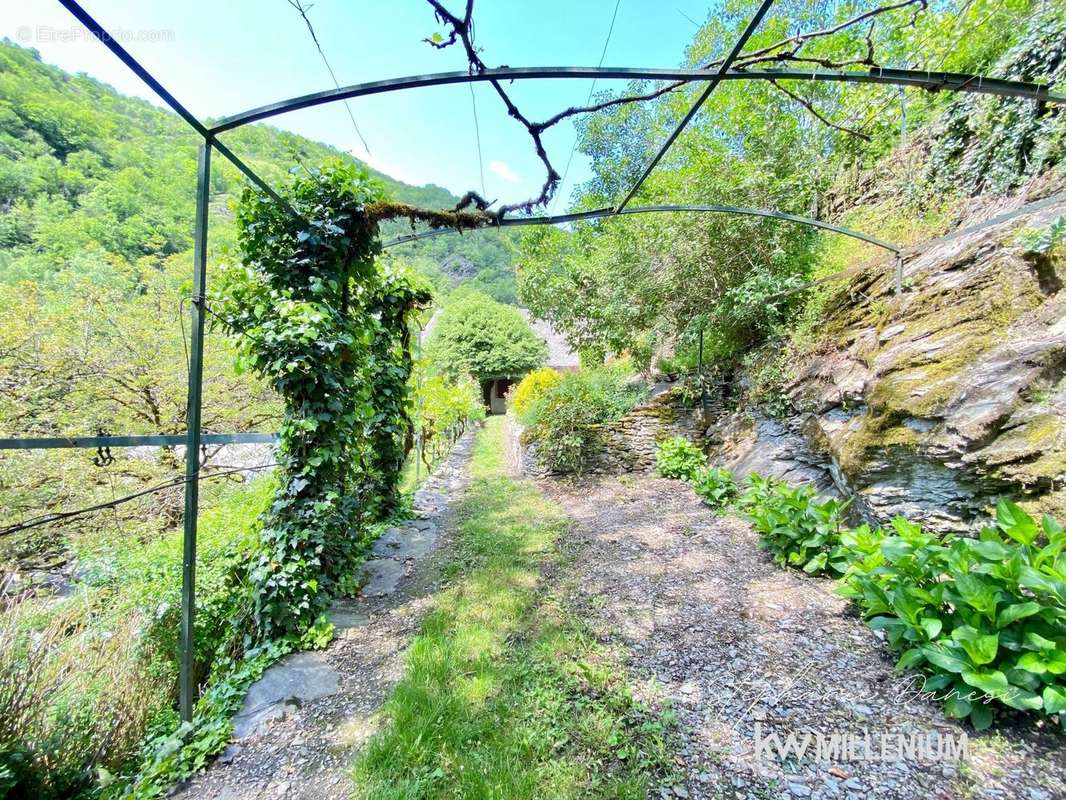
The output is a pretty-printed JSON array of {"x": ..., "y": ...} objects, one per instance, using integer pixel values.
[{"x": 934, "y": 402}]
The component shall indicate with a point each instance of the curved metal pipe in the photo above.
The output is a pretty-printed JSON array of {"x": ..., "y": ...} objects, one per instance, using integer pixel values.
[
  {"x": 933, "y": 81},
  {"x": 596, "y": 213}
]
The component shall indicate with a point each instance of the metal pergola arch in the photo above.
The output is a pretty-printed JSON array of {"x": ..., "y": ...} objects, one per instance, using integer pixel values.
[
  {"x": 933, "y": 81},
  {"x": 922, "y": 79},
  {"x": 612, "y": 211}
]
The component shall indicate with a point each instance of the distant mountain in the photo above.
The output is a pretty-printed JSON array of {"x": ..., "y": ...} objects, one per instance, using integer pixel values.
[{"x": 88, "y": 173}]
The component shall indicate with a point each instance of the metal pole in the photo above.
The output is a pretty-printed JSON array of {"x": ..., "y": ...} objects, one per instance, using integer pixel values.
[
  {"x": 703, "y": 385},
  {"x": 192, "y": 439},
  {"x": 692, "y": 112}
]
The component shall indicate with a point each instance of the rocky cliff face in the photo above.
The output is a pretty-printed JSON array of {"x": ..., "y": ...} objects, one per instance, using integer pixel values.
[{"x": 933, "y": 402}]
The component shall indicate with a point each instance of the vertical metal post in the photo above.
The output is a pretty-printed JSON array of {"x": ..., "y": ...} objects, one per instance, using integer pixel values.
[
  {"x": 703, "y": 383},
  {"x": 899, "y": 273},
  {"x": 192, "y": 439}
]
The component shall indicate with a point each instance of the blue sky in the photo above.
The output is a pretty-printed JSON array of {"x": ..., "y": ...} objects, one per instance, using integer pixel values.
[{"x": 219, "y": 58}]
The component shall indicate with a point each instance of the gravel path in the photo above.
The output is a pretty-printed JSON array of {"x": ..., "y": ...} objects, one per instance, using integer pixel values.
[
  {"x": 737, "y": 644},
  {"x": 303, "y": 748}
]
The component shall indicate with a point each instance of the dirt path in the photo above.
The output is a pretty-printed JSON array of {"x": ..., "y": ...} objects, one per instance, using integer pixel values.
[
  {"x": 735, "y": 642},
  {"x": 304, "y": 720}
]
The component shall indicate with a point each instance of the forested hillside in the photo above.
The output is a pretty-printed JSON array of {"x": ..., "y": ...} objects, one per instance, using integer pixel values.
[
  {"x": 96, "y": 229},
  {"x": 90, "y": 178}
]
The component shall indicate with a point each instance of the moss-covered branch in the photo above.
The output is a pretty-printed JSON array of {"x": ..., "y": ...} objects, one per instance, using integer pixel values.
[{"x": 460, "y": 220}]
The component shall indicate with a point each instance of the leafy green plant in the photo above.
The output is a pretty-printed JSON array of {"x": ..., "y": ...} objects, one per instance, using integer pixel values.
[
  {"x": 565, "y": 422},
  {"x": 716, "y": 486},
  {"x": 442, "y": 409},
  {"x": 985, "y": 618},
  {"x": 530, "y": 389},
  {"x": 795, "y": 527},
  {"x": 678, "y": 458},
  {"x": 1044, "y": 240},
  {"x": 327, "y": 326}
]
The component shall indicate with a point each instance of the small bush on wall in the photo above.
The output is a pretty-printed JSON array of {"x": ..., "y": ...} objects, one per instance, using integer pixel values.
[
  {"x": 566, "y": 421},
  {"x": 677, "y": 457},
  {"x": 530, "y": 389}
]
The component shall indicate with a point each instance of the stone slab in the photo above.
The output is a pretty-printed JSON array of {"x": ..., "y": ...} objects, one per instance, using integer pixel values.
[
  {"x": 381, "y": 575},
  {"x": 295, "y": 679},
  {"x": 346, "y": 614},
  {"x": 403, "y": 543}
]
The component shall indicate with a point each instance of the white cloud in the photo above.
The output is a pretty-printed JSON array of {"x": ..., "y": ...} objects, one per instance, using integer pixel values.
[{"x": 504, "y": 172}]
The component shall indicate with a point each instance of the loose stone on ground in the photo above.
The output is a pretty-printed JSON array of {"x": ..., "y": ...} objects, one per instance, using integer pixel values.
[{"x": 733, "y": 642}]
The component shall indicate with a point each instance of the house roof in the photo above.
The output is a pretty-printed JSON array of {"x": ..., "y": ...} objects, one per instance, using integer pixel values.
[{"x": 560, "y": 356}]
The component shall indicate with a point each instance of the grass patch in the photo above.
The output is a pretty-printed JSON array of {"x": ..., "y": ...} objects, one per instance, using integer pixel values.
[
  {"x": 83, "y": 680},
  {"x": 506, "y": 695}
]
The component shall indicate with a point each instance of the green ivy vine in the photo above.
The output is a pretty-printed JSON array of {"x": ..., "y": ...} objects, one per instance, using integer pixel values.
[
  {"x": 326, "y": 323},
  {"x": 992, "y": 144}
]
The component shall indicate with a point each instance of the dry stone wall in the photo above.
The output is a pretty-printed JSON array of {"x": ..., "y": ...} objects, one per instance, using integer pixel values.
[{"x": 627, "y": 444}]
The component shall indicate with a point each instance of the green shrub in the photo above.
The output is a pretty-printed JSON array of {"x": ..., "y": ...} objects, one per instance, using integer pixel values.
[
  {"x": 565, "y": 422},
  {"x": 477, "y": 336},
  {"x": 797, "y": 529},
  {"x": 73, "y": 702},
  {"x": 679, "y": 458},
  {"x": 716, "y": 486},
  {"x": 672, "y": 367},
  {"x": 530, "y": 389},
  {"x": 85, "y": 678},
  {"x": 442, "y": 410},
  {"x": 985, "y": 618}
]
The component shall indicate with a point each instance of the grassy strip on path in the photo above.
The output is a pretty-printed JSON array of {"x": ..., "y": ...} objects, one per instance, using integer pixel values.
[{"x": 506, "y": 695}]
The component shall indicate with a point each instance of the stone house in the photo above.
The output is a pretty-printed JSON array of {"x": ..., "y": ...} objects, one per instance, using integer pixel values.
[{"x": 560, "y": 357}]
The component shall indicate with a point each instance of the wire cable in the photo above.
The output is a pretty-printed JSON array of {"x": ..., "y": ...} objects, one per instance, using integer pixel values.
[
  {"x": 314, "y": 37},
  {"x": 592, "y": 89},
  {"x": 63, "y": 516},
  {"x": 477, "y": 140}
]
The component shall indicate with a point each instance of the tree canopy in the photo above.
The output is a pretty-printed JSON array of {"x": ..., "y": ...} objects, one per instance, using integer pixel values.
[
  {"x": 474, "y": 334},
  {"x": 893, "y": 160}
]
